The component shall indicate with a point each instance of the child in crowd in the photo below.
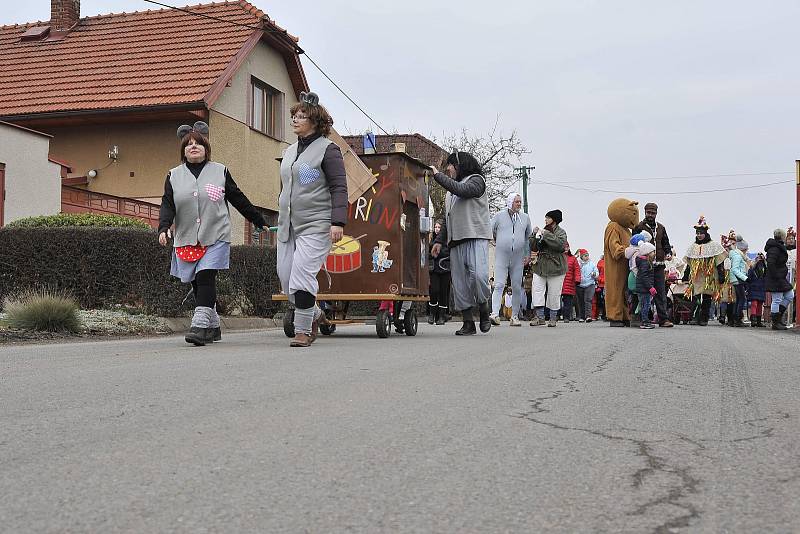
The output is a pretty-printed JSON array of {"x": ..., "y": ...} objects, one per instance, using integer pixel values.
[
  {"x": 757, "y": 289},
  {"x": 586, "y": 287},
  {"x": 645, "y": 281}
]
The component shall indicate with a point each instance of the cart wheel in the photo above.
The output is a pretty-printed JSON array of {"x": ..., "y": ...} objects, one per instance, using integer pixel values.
[
  {"x": 288, "y": 323},
  {"x": 383, "y": 324},
  {"x": 327, "y": 329},
  {"x": 410, "y": 322}
]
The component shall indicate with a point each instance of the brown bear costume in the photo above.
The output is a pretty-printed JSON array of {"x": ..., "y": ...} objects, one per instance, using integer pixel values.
[{"x": 624, "y": 215}]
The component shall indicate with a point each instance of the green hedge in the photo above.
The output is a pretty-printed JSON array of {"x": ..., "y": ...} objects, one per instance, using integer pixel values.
[
  {"x": 103, "y": 267},
  {"x": 77, "y": 219}
]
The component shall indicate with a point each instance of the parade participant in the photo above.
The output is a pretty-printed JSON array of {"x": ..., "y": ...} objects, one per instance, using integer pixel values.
[
  {"x": 663, "y": 254},
  {"x": 727, "y": 296},
  {"x": 778, "y": 278},
  {"x": 704, "y": 271},
  {"x": 440, "y": 281},
  {"x": 313, "y": 212},
  {"x": 600, "y": 291},
  {"x": 756, "y": 289},
  {"x": 738, "y": 278},
  {"x": 623, "y": 215},
  {"x": 196, "y": 197},
  {"x": 511, "y": 229},
  {"x": 631, "y": 253},
  {"x": 549, "y": 267},
  {"x": 467, "y": 232},
  {"x": 645, "y": 282},
  {"x": 569, "y": 287},
  {"x": 586, "y": 287}
]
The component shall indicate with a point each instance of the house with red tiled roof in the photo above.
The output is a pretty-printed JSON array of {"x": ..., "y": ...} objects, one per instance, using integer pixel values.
[
  {"x": 415, "y": 145},
  {"x": 112, "y": 90}
]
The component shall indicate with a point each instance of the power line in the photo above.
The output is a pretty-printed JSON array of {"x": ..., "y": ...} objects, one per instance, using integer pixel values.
[
  {"x": 661, "y": 192},
  {"x": 261, "y": 28},
  {"x": 691, "y": 177}
]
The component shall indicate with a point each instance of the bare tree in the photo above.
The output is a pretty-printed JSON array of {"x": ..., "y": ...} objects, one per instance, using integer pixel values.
[{"x": 497, "y": 153}]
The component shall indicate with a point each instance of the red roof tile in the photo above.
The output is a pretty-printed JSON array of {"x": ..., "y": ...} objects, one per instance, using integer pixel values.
[
  {"x": 141, "y": 59},
  {"x": 417, "y": 146}
]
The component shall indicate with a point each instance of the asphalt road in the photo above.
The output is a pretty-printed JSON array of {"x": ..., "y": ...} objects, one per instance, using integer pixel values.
[{"x": 579, "y": 428}]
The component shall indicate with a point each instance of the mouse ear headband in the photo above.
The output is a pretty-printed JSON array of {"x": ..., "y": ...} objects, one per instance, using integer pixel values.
[
  {"x": 199, "y": 127},
  {"x": 312, "y": 99}
]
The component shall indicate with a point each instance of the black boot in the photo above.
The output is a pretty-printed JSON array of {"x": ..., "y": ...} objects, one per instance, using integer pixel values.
[
  {"x": 468, "y": 328},
  {"x": 440, "y": 315},
  {"x": 781, "y": 314},
  {"x": 214, "y": 334},
  {"x": 197, "y": 336},
  {"x": 754, "y": 321},
  {"x": 776, "y": 322},
  {"x": 731, "y": 316},
  {"x": 432, "y": 309},
  {"x": 759, "y": 322},
  {"x": 485, "y": 313}
]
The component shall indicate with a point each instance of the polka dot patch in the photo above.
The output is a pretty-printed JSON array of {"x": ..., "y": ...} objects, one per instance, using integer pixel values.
[{"x": 307, "y": 174}]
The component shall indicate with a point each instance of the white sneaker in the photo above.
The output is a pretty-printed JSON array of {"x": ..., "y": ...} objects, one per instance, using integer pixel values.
[
  {"x": 515, "y": 321},
  {"x": 495, "y": 320}
]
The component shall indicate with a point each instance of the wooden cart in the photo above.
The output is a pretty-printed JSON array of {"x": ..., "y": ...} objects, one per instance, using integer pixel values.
[{"x": 383, "y": 256}]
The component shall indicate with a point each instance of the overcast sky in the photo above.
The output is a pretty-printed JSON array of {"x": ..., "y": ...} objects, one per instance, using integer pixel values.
[{"x": 596, "y": 89}]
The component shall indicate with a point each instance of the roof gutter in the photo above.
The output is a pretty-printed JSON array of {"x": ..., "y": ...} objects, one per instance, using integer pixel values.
[{"x": 88, "y": 113}]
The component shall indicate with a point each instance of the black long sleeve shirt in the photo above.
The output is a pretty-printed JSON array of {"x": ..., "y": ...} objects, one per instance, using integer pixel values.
[{"x": 233, "y": 195}]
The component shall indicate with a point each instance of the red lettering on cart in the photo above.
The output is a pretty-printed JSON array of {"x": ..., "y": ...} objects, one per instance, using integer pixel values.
[{"x": 385, "y": 184}]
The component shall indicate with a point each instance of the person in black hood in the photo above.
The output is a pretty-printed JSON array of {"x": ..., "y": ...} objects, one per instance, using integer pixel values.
[
  {"x": 777, "y": 281},
  {"x": 467, "y": 233}
]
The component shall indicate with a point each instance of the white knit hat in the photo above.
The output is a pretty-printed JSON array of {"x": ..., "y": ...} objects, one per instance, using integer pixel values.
[{"x": 646, "y": 248}]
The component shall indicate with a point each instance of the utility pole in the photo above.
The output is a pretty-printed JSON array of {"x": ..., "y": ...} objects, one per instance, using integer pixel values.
[
  {"x": 523, "y": 174},
  {"x": 797, "y": 216}
]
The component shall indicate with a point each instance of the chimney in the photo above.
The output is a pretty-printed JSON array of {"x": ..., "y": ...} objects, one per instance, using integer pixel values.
[{"x": 64, "y": 14}]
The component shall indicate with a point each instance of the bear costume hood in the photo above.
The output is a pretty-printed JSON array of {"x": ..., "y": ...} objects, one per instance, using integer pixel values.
[{"x": 624, "y": 212}]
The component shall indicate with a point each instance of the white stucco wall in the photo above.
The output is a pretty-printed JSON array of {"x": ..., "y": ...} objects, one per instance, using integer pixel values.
[{"x": 33, "y": 184}]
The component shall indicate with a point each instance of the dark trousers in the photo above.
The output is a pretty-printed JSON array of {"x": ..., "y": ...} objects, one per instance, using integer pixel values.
[
  {"x": 660, "y": 298},
  {"x": 440, "y": 290},
  {"x": 567, "y": 307},
  {"x": 701, "y": 306},
  {"x": 205, "y": 288},
  {"x": 741, "y": 299},
  {"x": 644, "y": 309}
]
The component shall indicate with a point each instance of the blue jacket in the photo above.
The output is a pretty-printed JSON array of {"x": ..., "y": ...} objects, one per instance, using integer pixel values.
[
  {"x": 738, "y": 272},
  {"x": 587, "y": 269},
  {"x": 757, "y": 282}
]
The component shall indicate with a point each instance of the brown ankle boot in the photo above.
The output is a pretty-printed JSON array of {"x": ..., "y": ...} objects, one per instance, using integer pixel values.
[{"x": 301, "y": 340}]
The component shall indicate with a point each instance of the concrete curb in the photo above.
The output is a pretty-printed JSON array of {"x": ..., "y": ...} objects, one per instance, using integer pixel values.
[{"x": 182, "y": 324}]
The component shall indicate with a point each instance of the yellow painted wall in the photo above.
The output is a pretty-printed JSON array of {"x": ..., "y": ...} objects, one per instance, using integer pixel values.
[{"x": 148, "y": 150}]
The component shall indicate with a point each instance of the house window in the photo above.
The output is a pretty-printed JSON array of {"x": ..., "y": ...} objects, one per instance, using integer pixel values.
[
  {"x": 266, "y": 109},
  {"x": 265, "y": 239}
]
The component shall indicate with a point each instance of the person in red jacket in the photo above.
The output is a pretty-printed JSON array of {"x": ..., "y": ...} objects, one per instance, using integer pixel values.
[
  {"x": 572, "y": 279},
  {"x": 600, "y": 290}
]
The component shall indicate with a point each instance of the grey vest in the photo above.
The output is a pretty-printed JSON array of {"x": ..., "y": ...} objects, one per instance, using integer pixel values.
[
  {"x": 305, "y": 201},
  {"x": 467, "y": 218},
  {"x": 201, "y": 213}
]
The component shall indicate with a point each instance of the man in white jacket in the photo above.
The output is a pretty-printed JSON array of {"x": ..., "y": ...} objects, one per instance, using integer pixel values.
[{"x": 510, "y": 230}]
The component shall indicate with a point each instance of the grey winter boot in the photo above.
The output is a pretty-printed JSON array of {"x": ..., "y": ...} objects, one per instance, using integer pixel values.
[
  {"x": 214, "y": 330},
  {"x": 198, "y": 333}
]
